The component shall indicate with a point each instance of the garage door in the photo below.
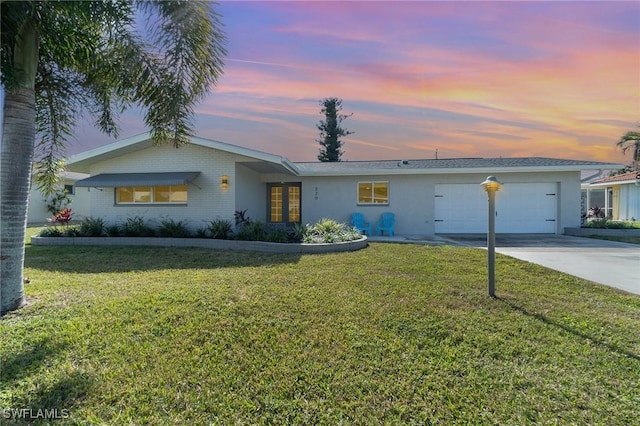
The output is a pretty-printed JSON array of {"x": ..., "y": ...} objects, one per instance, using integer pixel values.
[{"x": 520, "y": 208}]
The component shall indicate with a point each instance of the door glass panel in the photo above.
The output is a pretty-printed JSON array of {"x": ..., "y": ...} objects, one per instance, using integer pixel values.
[
  {"x": 294, "y": 204},
  {"x": 276, "y": 204}
]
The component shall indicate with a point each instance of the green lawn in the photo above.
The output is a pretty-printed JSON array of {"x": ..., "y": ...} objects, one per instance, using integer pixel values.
[{"x": 393, "y": 334}]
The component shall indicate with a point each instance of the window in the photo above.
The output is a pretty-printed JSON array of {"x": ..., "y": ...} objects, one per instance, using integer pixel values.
[
  {"x": 373, "y": 192},
  {"x": 68, "y": 189},
  {"x": 166, "y": 194}
]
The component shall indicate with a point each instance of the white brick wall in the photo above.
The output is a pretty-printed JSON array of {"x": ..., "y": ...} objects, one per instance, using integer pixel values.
[{"x": 207, "y": 200}]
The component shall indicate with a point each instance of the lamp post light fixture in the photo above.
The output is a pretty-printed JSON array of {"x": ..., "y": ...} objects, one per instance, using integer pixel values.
[{"x": 491, "y": 185}]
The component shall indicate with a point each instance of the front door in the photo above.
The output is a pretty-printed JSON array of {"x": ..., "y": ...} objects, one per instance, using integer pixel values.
[{"x": 283, "y": 202}]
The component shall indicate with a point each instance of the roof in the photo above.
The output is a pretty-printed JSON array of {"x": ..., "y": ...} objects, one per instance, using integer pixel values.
[
  {"x": 263, "y": 162},
  {"x": 138, "y": 179},
  {"x": 260, "y": 161},
  {"x": 621, "y": 179},
  {"x": 451, "y": 165}
]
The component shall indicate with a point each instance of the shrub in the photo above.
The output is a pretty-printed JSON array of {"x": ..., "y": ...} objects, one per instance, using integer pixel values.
[
  {"x": 330, "y": 231},
  {"x": 71, "y": 231},
  {"x": 112, "y": 231},
  {"x": 297, "y": 233},
  {"x": 135, "y": 227},
  {"x": 608, "y": 224},
  {"x": 220, "y": 229},
  {"x": 50, "y": 231},
  {"x": 63, "y": 217},
  {"x": 92, "y": 227},
  {"x": 173, "y": 229},
  {"x": 201, "y": 232},
  {"x": 252, "y": 231},
  {"x": 58, "y": 201},
  {"x": 277, "y": 235}
]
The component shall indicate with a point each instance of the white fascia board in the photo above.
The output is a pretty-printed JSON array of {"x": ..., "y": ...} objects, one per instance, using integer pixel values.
[
  {"x": 82, "y": 161},
  {"x": 478, "y": 170},
  {"x": 246, "y": 152},
  {"x": 620, "y": 182}
]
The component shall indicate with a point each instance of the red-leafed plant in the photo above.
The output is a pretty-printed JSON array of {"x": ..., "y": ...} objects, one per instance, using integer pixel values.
[{"x": 63, "y": 217}]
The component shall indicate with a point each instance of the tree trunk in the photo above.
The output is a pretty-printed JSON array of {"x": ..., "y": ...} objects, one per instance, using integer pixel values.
[
  {"x": 18, "y": 138},
  {"x": 18, "y": 135}
]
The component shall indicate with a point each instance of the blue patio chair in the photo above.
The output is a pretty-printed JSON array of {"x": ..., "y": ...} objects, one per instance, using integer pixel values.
[
  {"x": 386, "y": 223},
  {"x": 359, "y": 222}
]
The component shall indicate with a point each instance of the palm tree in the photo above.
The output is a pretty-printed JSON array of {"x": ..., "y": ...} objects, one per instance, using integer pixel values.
[
  {"x": 631, "y": 140},
  {"x": 61, "y": 60}
]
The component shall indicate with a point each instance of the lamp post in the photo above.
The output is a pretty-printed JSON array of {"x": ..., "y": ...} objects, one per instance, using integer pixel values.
[{"x": 491, "y": 185}]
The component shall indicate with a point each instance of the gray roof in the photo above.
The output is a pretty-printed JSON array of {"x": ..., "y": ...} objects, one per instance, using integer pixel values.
[
  {"x": 108, "y": 180},
  {"x": 451, "y": 164}
]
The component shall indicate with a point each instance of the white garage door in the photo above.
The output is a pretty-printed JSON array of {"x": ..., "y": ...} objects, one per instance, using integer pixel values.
[{"x": 520, "y": 208}]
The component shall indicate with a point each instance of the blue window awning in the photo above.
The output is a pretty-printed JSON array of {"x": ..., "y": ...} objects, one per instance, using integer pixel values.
[{"x": 138, "y": 179}]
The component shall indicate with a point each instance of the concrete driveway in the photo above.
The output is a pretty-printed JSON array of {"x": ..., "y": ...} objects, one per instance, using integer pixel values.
[{"x": 605, "y": 262}]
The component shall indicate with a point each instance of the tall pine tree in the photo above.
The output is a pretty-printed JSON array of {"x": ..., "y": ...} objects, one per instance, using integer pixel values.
[{"x": 330, "y": 130}]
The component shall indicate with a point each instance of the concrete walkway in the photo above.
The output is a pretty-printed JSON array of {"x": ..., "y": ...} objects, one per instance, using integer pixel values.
[{"x": 605, "y": 262}]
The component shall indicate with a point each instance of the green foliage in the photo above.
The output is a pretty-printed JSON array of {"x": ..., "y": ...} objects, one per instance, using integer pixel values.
[
  {"x": 631, "y": 141},
  {"x": 92, "y": 227},
  {"x": 330, "y": 130},
  {"x": 50, "y": 231},
  {"x": 62, "y": 60},
  {"x": 58, "y": 201},
  {"x": 71, "y": 231},
  {"x": 604, "y": 223},
  {"x": 297, "y": 233},
  {"x": 220, "y": 229},
  {"x": 252, "y": 231},
  {"x": 136, "y": 227},
  {"x": 170, "y": 228},
  {"x": 325, "y": 231},
  {"x": 394, "y": 334},
  {"x": 277, "y": 235},
  {"x": 113, "y": 230},
  {"x": 330, "y": 231}
]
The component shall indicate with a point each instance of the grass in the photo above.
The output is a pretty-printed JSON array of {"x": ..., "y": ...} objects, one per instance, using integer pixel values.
[
  {"x": 393, "y": 334},
  {"x": 630, "y": 240}
]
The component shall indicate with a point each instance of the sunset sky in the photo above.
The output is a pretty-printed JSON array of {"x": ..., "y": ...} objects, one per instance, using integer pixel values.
[{"x": 468, "y": 79}]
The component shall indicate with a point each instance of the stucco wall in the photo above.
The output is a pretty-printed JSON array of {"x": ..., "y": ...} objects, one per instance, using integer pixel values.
[
  {"x": 251, "y": 193},
  {"x": 411, "y": 197}
]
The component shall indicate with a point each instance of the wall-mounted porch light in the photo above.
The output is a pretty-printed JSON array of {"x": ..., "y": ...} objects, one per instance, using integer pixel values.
[{"x": 224, "y": 181}]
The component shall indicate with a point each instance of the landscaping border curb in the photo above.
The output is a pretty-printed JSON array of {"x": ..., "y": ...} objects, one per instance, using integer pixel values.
[
  {"x": 260, "y": 246},
  {"x": 587, "y": 232}
]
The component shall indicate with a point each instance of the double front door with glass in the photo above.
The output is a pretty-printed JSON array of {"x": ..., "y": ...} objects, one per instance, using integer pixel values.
[{"x": 283, "y": 202}]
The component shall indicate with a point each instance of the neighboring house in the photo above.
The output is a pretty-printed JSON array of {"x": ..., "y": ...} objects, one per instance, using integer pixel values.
[
  {"x": 592, "y": 199},
  {"x": 38, "y": 212},
  {"x": 620, "y": 195},
  {"x": 207, "y": 179}
]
